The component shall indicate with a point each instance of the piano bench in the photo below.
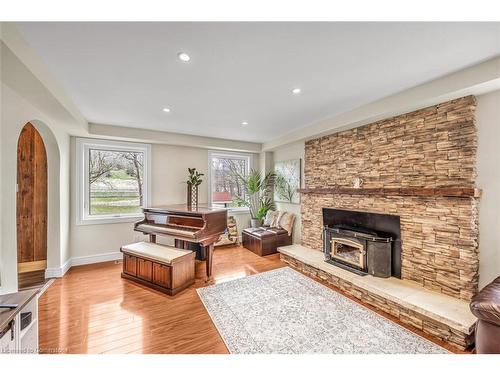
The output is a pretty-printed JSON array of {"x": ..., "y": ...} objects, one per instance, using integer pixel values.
[{"x": 163, "y": 268}]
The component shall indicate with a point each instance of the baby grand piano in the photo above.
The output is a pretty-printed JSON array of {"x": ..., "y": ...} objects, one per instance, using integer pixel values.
[{"x": 197, "y": 224}]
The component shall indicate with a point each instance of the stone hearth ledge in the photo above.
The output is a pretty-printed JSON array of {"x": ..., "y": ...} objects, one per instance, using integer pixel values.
[{"x": 448, "y": 311}]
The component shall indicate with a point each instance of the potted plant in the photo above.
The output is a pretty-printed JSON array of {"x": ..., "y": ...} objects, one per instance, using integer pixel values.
[
  {"x": 258, "y": 189},
  {"x": 194, "y": 180}
]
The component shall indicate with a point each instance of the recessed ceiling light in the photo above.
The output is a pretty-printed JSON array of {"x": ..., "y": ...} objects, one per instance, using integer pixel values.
[
  {"x": 244, "y": 123},
  {"x": 296, "y": 91},
  {"x": 166, "y": 110},
  {"x": 183, "y": 56}
]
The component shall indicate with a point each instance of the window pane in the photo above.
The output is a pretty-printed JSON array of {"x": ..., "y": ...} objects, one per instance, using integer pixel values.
[
  {"x": 116, "y": 182},
  {"x": 226, "y": 187}
]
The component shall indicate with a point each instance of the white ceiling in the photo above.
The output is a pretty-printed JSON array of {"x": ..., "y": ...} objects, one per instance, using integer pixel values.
[{"x": 125, "y": 73}]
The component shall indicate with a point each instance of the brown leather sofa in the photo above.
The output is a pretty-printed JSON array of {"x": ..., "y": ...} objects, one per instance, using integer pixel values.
[
  {"x": 276, "y": 232},
  {"x": 486, "y": 307}
]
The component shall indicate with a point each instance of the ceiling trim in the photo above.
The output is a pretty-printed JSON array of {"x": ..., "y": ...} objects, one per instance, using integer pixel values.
[
  {"x": 175, "y": 139},
  {"x": 475, "y": 80}
]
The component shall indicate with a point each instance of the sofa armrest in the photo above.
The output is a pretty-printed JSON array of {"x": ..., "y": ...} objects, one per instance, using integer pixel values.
[{"x": 486, "y": 304}]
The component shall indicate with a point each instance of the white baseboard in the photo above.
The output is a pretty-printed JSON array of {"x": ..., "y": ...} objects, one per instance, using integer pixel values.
[
  {"x": 58, "y": 271},
  {"x": 80, "y": 261},
  {"x": 98, "y": 258}
]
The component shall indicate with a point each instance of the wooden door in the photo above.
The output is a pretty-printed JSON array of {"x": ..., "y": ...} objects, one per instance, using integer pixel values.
[{"x": 31, "y": 207}]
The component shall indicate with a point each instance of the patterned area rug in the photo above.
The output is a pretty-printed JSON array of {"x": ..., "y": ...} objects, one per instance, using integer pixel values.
[{"x": 283, "y": 311}]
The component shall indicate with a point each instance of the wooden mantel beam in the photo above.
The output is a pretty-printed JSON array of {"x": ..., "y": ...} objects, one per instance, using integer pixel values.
[{"x": 453, "y": 192}]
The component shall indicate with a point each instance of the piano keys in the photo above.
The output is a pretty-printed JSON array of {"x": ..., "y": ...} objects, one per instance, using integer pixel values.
[{"x": 202, "y": 225}]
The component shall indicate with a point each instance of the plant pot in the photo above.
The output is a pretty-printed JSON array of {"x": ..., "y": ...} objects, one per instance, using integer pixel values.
[{"x": 255, "y": 223}]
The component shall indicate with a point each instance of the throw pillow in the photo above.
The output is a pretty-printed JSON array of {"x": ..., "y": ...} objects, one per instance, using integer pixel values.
[
  {"x": 270, "y": 218},
  {"x": 286, "y": 222}
]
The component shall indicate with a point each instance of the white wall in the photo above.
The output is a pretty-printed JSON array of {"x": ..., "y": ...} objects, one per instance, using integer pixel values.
[
  {"x": 25, "y": 99},
  {"x": 16, "y": 112},
  {"x": 292, "y": 151},
  {"x": 488, "y": 166},
  {"x": 169, "y": 166}
]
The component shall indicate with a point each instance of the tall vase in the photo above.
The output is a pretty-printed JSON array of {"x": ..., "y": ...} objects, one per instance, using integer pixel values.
[
  {"x": 192, "y": 196},
  {"x": 189, "y": 195}
]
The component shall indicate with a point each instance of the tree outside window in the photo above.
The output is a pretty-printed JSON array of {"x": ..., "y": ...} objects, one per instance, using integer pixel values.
[
  {"x": 115, "y": 182},
  {"x": 226, "y": 189}
]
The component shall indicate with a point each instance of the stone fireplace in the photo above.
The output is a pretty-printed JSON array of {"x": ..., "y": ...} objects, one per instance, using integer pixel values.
[
  {"x": 419, "y": 166},
  {"x": 420, "y": 170}
]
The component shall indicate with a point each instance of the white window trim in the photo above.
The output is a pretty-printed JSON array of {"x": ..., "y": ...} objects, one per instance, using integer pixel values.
[
  {"x": 238, "y": 155},
  {"x": 82, "y": 175}
]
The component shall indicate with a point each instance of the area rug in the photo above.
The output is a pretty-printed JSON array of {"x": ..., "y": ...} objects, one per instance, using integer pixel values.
[{"x": 283, "y": 311}]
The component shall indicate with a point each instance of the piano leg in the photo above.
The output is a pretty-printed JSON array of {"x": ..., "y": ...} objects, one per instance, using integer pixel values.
[{"x": 209, "y": 255}]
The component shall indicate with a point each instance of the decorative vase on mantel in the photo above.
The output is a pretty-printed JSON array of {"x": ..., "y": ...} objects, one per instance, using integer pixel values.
[{"x": 192, "y": 195}]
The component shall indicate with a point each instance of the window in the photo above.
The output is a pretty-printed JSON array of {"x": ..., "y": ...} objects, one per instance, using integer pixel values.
[
  {"x": 112, "y": 180},
  {"x": 226, "y": 190}
]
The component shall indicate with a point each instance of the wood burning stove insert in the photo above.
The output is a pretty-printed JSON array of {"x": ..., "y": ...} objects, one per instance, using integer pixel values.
[
  {"x": 351, "y": 242},
  {"x": 360, "y": 251}
]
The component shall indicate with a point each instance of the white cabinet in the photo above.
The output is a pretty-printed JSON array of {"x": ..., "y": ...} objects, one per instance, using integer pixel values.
[
  {"x": 8, "y": 339},
  {"x": 13, "y": 338},
  {"x": 28, "y": 337}
]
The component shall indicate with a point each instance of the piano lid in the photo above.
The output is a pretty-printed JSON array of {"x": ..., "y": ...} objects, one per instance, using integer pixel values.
[{"x": 183, "y": 208}]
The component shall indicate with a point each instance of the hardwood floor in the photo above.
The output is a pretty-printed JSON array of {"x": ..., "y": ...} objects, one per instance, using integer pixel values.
[{"x": 93, "y": 310}]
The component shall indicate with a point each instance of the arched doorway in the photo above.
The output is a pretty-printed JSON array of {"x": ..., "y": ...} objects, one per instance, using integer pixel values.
[{"x": 31, "y": 211}]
